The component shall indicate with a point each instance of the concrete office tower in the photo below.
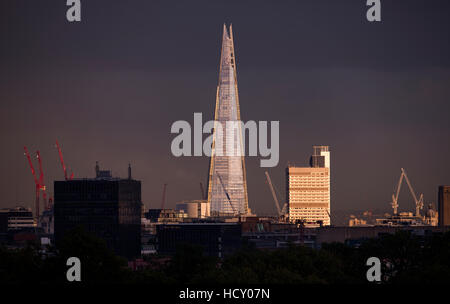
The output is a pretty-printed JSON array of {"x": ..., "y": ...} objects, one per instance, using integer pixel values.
[
  {"x": 227, "y": 185},
  {"x": 444, "y": 206},
  {"x": 308, "y": 189},
  {"x": 108, "y": 207}
]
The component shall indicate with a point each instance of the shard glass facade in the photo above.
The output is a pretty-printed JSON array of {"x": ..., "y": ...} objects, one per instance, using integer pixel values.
[{"x": 227, "y": 185}]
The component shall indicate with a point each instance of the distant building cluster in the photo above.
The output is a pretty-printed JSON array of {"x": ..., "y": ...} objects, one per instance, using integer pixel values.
[{"x": 220, "y": 222}]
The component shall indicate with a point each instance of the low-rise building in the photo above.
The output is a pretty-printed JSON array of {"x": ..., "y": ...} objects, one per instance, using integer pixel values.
[
  {"x": 17, "y": 218},
  {"x": 194, "y": 208}
]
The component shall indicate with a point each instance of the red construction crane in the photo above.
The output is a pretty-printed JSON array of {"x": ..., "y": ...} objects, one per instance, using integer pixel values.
[
  {"x": 62, "y": 162},
  {"x": 41, "y": 180},
  {"x": 36, "y": 181},
  {"x": 164, "y": 196}
]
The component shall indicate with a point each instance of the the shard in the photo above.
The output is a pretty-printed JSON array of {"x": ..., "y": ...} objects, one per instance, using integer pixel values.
[{"x": 227, "y": 185}]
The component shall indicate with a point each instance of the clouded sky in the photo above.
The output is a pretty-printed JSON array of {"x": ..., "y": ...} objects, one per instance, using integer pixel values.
[{"x": 109, "y": 88}]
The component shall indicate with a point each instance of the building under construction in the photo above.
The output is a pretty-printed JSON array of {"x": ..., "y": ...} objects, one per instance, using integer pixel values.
[{"x": 428, "y": 218}]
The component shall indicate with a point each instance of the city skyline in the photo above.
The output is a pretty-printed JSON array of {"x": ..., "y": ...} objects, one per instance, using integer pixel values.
[{"x": 376, "y": 93}]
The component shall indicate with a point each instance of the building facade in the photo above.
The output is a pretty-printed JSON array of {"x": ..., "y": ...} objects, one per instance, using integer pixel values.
[
  {"x": 165, "y": 215},
  {"x": 227, "y": 185},
  {"x": 195, "y": 208},
  {"x": 17, "y": 218},
  {"x": 444, "y": 206},
  {"x": 107, "y": 207},
  {"x": 308, "y": 190},
  {"x": 215, "y": 239}
]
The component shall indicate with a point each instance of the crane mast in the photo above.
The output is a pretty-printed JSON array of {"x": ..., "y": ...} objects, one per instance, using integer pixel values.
[
  {"x": 418, "y": 202},
  {"x": 202, "y": 191},
  {"x": 226, "y": 193},
  {"x": 41, "y": 180},
  {"x": 62, "y": 162},
  {"x": 36, "y": 182},
  {"x": 275, "y": 198},
  {"x": 281, "y": 211}
]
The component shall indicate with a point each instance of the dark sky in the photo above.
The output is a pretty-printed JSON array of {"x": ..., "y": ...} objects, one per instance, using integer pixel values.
[{"x": 110, "y": 87}]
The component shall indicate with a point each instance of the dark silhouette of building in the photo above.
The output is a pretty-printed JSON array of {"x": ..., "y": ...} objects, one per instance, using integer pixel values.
[
  {"x": 216, "y": 239},
  {"x": 106, "y": 206},
  {"x": 444, "y": 206},
  {"x": 3, "y": 222}
]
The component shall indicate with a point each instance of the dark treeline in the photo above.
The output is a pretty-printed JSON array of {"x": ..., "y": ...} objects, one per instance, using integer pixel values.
[{"x": 406, "y": 258}]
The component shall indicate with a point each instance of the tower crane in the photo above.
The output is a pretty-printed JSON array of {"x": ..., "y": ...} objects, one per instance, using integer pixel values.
[
  {"x": 274, "y": 195},
  {"x": 41, "y": 180},
  {"x": 202, "y": 191},
  {"x": 62, "y": 162},
  {"x": 418, "y": 202},
  {"x": 36, "y": 182},
  {"x": 226, "y": 193}
]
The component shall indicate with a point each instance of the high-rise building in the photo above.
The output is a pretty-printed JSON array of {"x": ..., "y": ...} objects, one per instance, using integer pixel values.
[
  {"x": 444, "y": 206},
  {"x": 308, "y": 189},
  {"x": 108, "y": 207},
  {"x": 227, "y": 185}
]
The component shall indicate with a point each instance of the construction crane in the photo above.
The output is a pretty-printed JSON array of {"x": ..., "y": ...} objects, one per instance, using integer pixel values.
[
  {"x": 418, "y": 202},
  {"x": 62, "y": 162},
  {"x": 329, "y": 215},
  {"x": 274, "y": 195},
  {"x": 50, "y": 203},
  {"x": 202, "y": 191},
  {"x": 226, "y": 193},
  {"x": 163, "y": 201},
  {"x": 36, "y": 182},
  {"x": 41, "y": 180}
]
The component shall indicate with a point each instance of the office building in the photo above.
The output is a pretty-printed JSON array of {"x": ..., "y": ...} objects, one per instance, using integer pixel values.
[
  {"x": 308, "y": 190},
  {"x": 227, "y": 185},
  {"x": 444, "y": 206},
  {"x": 105, "y": 206}
]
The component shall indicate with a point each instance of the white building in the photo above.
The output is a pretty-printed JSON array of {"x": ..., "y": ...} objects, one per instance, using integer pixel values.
[
  {"x": 195, "y": 208},
  {"x": 308, "y": 190}
]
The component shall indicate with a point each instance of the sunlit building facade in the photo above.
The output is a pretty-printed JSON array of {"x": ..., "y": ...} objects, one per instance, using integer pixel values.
[
  {"x": 308, "y": 190},
  {"x": 227, "y": 186}
]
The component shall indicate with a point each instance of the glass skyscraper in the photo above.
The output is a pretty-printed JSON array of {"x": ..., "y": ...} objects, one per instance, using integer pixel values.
[{"x": 227, "y": 185}]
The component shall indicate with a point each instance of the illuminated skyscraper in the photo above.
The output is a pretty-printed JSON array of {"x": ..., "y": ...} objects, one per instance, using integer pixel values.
[
  {"x": 308, "y": 189},
  {"x": 227, "y": 185}
]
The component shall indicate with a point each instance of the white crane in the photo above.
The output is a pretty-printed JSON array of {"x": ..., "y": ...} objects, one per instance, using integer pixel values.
[
  {"x": 281, "y": 211},
  {"x": 226, "y": 193},
  {"x": 418, "y": 202}
]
